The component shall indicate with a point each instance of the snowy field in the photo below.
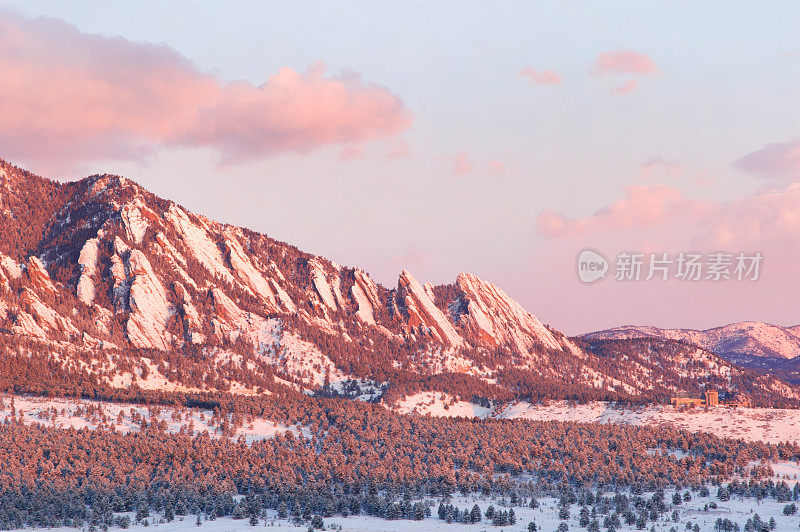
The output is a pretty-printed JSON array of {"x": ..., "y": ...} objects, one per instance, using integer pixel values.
[
  {"x": 80, "y": 413},
  {"x": 546, "y": 518},
  {"x": 439, "y": 404},
  {"x": 769, "y": 425},
  {"x": 751, "y": 424}
]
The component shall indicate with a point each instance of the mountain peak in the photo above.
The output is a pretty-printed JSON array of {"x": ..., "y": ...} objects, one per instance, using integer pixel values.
[{"x": 111, "y": 268}]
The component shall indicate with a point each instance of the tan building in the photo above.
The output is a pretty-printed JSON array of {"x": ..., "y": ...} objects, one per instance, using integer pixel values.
[
  {"x": 712, "y": 398},
  {"x": 686, "y": 401}
]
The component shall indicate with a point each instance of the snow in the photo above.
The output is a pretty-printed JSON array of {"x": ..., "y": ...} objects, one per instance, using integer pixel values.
[
  {"x": 364, "y": 312},
  {"x": 770, "y": 425},
  {"x": 190, "y": 314},
  {"x": 494, "y": 316},
  {"x": 545, "y": 517},
  {"x": 283, "y": 297},
  {"x": 135, "y": 216},
  {"x": 422, "y": 310},
  {"x": 304, "y": 360},
  {"x": 439, "y": 360},
  {"x": 226, "y": 309},
  {"x": 149, "y": 305},
  {"x": 749, "y": 337},
  {"x": 598, "y": 380},
  {"x": 169, "y": 249},
  {"x": 120, "y": 283},
  {"x": 198, "y": 243},
  {"x": 321, "y": 284},
  {"x": 265, "y": 335},
  {"x": 120, "y": 247},
  {"x": 439, "y": 404},
  {"x": 88, "y": 264},
  {"x": 125, "y": 418},
  {"x": 85, "y": 290},
  {"x": 337, "y": 291},
  {"x": 12, "y": 267},
  {"x": 245, "y": 270},
  {"x": 47, "y": 317},
  {"x": 39, "y": 276},
  {"x": 27, "y": 326},
  {"x": 90, "y": 342}
]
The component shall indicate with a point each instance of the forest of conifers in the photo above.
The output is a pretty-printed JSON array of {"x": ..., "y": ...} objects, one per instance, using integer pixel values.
[{"x": 357, "y": 458}]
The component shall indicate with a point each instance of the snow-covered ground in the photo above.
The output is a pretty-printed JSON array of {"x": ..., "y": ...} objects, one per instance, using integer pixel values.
[
  {"x": 545, "y": 517},
  {"x": 439, "y": 404},
  {"x": 770, "y": 425},
  {"x": 124, "y": 418},
  {"x": 78, "y": 414}
]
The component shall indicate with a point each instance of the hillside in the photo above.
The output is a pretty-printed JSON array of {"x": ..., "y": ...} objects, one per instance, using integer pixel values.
[
  {"x": 105, "y": 285},
  {"x": 742, "y": 340},
  {"x": 759, "y": 346}
]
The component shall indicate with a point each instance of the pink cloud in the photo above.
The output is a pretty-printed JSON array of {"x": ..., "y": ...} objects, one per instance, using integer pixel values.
[
  {"x": 541, "y": 77},
  {"x": 657, "y": 166},
  {"x": 760, "y": 219},
  {"x": 72, "y": 96},
  {"x": 779, "y": 161},
  {"x": 463, "y": 164},
  {"x": 627, "y": 87},
  {"x": 767, "y": 221},
  {"x": 623, "y": 62},
  {"x": 642, "y": 206}
]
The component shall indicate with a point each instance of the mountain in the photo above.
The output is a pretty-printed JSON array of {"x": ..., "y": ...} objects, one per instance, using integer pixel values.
[
  {"x": 739, "y": 342},
  {"x": 104, "y": 284}
]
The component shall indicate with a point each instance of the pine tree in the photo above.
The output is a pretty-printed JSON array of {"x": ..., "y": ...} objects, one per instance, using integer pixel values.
[
  {"x": 142, "y": 512},
  {"x": 475, "y": 514},
  {"x": 283, "y": 512}
]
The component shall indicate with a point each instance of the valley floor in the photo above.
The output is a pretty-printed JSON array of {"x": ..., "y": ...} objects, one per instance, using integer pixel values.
[
  {"x": 545, "y": 517},
  {"x": 82, "y": 413},
  {"x": 769, "y": 425},
  {"x": 751, "y": 424}
]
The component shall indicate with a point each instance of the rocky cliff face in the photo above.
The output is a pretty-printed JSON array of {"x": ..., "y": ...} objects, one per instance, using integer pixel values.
[{"x": 104, "y": 266}]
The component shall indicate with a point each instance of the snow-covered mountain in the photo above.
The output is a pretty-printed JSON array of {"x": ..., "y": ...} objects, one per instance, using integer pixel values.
[
  {"x": 103, "y": 282},
  {"x": 737, "y": 341}
]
